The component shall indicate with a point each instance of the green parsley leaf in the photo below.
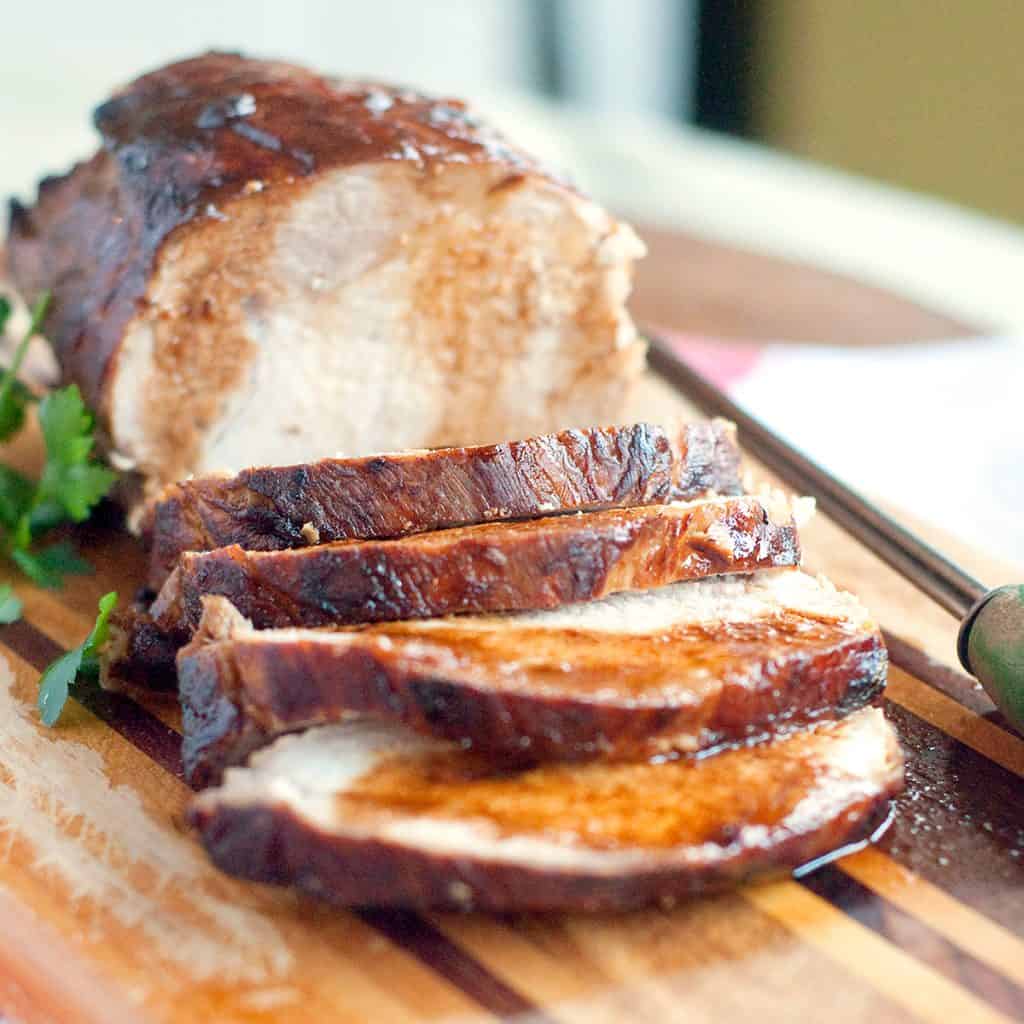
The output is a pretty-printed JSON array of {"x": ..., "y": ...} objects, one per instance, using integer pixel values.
[
  {"x": 16, "y": 494},
  {"x": 48, "y": 567},
  {"x": 72, "y": 482},
  {"x": 45, "y": 517},
  {"x": 66, "y": 423},
  {"x": 5, "y": 312},
  {"x": 14, "y": 396},
  {"x": 10, "y": 605},
  {"x": 12, "y": 411},
  {"x": 56, "y": 682},
  {"x": 70, "y": 479}
]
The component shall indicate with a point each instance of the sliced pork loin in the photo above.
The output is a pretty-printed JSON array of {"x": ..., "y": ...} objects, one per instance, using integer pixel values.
[
  {"x": 263, "y": 265},
  {"x": 366, "y": 813},
  {"x": 512, "y": 566},
  {"x": 393, "y": 495},
  {"x": 682, "y": 668}
]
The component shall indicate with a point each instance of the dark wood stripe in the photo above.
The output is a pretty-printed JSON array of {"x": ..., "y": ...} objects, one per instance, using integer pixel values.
[
  {"x": 967, "y": 840},
  {"x": 956, "y": 685},
  {"x": 30, "y": 644},
  {"x": 425, "y": 942},
  {"x": 137, "y": 725},
  {"x": 126, "y": 717},
  {"x": 908, "y": 932},
  {"x": 162, "y": 744}
]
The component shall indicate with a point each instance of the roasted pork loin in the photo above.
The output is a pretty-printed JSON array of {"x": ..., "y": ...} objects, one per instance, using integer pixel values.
[
  {"x": 393, "y": 495},
  {"x": 468, "y": 677},
  {"x": 366, "y": 813},
  {"x": 508, "y": 566},
  {"x": 262, "y": 265},
  {"x": 679, "y": 669}
]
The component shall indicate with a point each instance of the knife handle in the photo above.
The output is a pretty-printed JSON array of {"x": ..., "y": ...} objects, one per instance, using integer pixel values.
[{"x": 991, "y": 648}]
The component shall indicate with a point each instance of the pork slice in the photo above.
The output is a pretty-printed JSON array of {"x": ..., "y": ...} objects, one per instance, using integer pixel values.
[
  {"x": 380, "y": 496},
  {"x": 265, "y": 266},
  {"x": 680, "y": 669},
  {"x": 509, "y": 566},
  {"x": 364, "y": 813}
]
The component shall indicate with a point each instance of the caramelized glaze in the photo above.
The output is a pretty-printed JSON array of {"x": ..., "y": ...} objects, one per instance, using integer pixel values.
[
  {"x": 604, "y": 806},
  {"x": 363, "y": 814},
  {"x": 688, "y": 660},
  {"x": 230, "y": 120},
  {"x": 515, "y": 693}
]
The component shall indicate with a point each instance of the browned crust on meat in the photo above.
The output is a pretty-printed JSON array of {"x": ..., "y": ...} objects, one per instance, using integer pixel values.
[
  {"x": 139, "y": 652},
  {"x": 271, "y": 844},
  {"x": 192, "y": 137},
  {"x": 530, "y": 694},
  {"x": 495, "y": 567},
  {"x": 268, "y": 842},
  {"x": 384, "y": 496}
]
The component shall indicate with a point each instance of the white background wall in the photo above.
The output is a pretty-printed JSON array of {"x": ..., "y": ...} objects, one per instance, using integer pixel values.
[
  {"x": 57, "y": 64},
  {"x": 59, "y": 59}
]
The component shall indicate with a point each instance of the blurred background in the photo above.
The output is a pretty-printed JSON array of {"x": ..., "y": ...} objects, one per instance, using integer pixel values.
[
  {"x": 845, "y": 176},
  {"x": 919, "y": 93}
]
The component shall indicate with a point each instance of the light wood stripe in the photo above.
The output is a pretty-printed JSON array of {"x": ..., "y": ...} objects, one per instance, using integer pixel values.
[
  {"x": 955, "y": 720},
  {"x": 61, "y": 621},
  {"x": 972, "y": 932},
  {"x": 887, "y": 968},
  {"x": 38, "y": 986},
  {"x": 355, "y": 966},
  {"x": 129, "y": 719},
  {"x": 708, "y": 960},
  {"x": 570, "y": 985},
  {"x": 554, "y": 972}
]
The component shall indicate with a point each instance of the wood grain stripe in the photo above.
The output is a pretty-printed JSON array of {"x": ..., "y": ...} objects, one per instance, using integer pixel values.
[
  {"x": 126, "y": 717},
  {"x": 702, "y": 961},
  {"x": 428, "y": 944},
  {"x": 162, "y": 744},
  {"x": 889, "y": 969},
  {"x": 956, "y": 685},
  {"x": 967, "y": 840},
  {"x": 891, "y": 922},
  {"x": 40, "y": 986},
  {"x": 986, "y": 738},
  {"x": 978, "y": 935}
]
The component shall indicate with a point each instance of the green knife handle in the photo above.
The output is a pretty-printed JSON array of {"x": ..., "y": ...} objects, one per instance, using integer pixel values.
[{"x": 991, "y": 648}]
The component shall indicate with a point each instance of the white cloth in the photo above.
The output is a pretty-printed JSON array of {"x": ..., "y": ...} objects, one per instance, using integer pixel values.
[{"x": 935, "y": 429}]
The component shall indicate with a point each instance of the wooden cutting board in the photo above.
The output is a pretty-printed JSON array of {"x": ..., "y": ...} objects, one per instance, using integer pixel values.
[{"x": 110, "y": 913}]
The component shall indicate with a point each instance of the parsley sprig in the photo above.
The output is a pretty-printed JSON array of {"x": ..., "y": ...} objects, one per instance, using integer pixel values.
[
  {"x": 56, "y": 682},
  {"x": 71, "y": 484}
]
